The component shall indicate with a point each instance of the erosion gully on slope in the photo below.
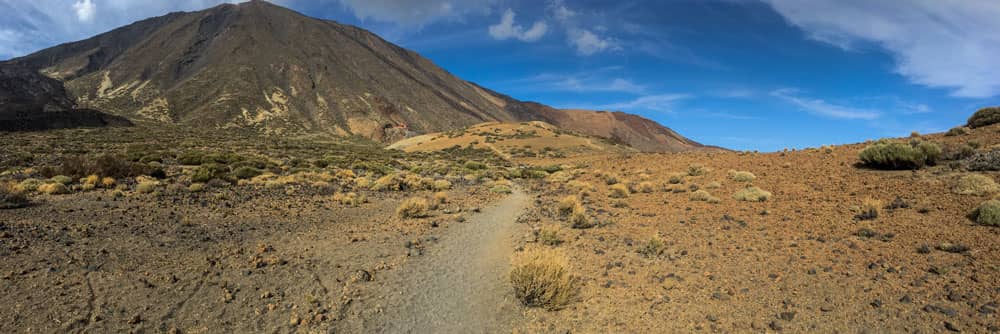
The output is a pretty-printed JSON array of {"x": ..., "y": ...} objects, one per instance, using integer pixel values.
[{"x": 460, "y": 285}]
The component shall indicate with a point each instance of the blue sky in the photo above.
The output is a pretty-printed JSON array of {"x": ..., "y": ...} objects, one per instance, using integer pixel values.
[{"x": 753, "y": 74}]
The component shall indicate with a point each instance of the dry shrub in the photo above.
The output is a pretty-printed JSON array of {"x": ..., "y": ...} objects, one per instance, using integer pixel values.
[
  {"x": 92, "y": 180},
  {"x": 984, "y": 117},
  {"x": 752, "y": 194},
  {"x": 713, "y": 185},
  {"x": 567, "y": 204},
  {"x": 362, "y": 182},
  {"x": 578, "y": 217},
  {"x": 975, "y": 184},
  {"x": 676, "y": 178},
  {"x": 646, "y": 187},
  {"x": 548, "y": 237},
  {"x": 742, "y": 176},
  {"x": 350, "y": 199},
  {"x": 559, "y": 177},
  {"x": 196, "y": 187},
  {"x": 618, "y": 190},
  {"x": 578, "y": 186},
  {"x": 653, "y": 247},
  {"x": 403, "y": 181},
  {"x": 53, "y": 189},
  {"x": 413, "y": 207},
  {"x": 11, "y": 196},
  {"x": 869, "y": 209},
  {"x": 65, "y": 180},
  {"x": 441, "y": 197},
  {"x": 703, "y": 196},
  {"x": 541, "y": 278},
  {"x": 146, "y": 186},
  {"x": 442, "y": 185},
  {"x": 697, "y": 170},
  {"x": 108, "y": 182}
]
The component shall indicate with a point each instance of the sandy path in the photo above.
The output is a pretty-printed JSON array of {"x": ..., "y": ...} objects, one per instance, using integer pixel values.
[{"x": 460, "y": 285}]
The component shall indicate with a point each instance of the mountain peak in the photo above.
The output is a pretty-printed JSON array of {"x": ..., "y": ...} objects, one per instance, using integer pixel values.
[{"x": 265, "y": 67}]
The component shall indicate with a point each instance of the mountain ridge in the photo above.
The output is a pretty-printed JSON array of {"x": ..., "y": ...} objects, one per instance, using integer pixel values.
[{"x": 262, "y": 66}]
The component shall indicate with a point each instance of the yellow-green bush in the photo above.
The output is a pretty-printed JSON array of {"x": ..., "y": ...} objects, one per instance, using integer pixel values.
[
  {"x": 886, "y": 154},
  {"x": 988, "y": 213},
  {"x": 413, "y": 207},
  {"x": 541, "y": 278},
  {"x": 752, "y": 194},
  {"x": 975, "y": 184},
  {"x": 618, "y": 190}
]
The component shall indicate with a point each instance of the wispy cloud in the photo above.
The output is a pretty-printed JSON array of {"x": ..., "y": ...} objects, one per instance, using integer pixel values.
[
  {"x": 507, "y": 29},
  {"x": 823, "y": 108},
  {"x": 664, "y": 103},
  {"x": 416, "y": 13},
  {"x": 936, "y": 43},
  {"x": 586, "y": 39},
  {"x": 600, "y": 80}
]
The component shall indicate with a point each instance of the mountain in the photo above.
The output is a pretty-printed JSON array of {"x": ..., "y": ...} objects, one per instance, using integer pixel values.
[{"x": 261, "y": 66}]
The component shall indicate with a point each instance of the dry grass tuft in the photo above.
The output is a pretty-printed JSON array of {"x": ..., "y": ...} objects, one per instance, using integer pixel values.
[
  {"x": 567, "y": 204},
  {"x": 752, "y": 194},
  {"x": 442, "y": 185},
  {"x": 541, "y": 278},
  {"x": 697, "y": 170},
  {"x": 869, "y": 209},
  {"x": 441, "y": 197},
  {"x": 413, "y": 207},
  {"x": 11, "y": 196},
  {"x": 975, "y": 184},
  {"x": 350, "y": 199},
  {"x": 742, "y": 176},
  {"x": 53, "y": 189},
  {"x": 618, "y": 190},
  {"x": 704, "y": 196},
  {"x": 646, "y": 187}
]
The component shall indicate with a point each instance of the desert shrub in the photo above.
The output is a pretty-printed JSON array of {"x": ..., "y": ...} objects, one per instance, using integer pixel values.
[
  {"x": 441, "y": 197},
  {"x": 578, "y": 186},
  {"x": 362, "y": 182},
  {"x": 984, "y": 161},
  {"x": 896, "y": 155},
  {"x": 988, "y": 213},
  {"x": 91, "y": 180},
  {"x": 66, "y": 180},
  {"x": 652, "y": 248},
  {"x": 676, "y": 178},
  {"x": 548, "y": 237},
  {"x": 559, "y": 177},
  {"x": 196, "y": 187},
  {"x": 697, "y": 170},
  {"x": 567, "y": 204},
  {"x": 541, "y": 278},
  {"x": 501, "y": 189},
  {"x": 742, "y": 176},
  {"x": 79, "y": 167},
  {"x": 869, "y": 209},
  {"x": 53, "y": 189},
  {"x": 11, "y": 197},
  {"x": 610, "y": 179},
  {"x": 646, "y": 187},
  {"x": 190, "y": 158},
  {"x": 618, "y": 190},
  {"x": 30, "y": 184},
  {"x": 957, "y": 131},
  {"x": 413, "y": 207},
  {"x": 108, "y": 182},
  {"x": 351, "y": 199},
  {"x": 146, "y": 187},
  {"x": 713, "y": 185},
  {"x": 914, "y": 134},
  {"x": 442, "y": 185},
  {"x": 246, "y": 172},
  {"x": 752, "y": 194},
  {"x": 210, "y": 171},
  {"x": 984, "y": 117},
  {"x": 578, "y": 218},
  {"x": 703, "y": 196},
  {"x": 474, "y": 165},
  {"x": 975, "y": 184},
  {"x": 957, "y": 151},
  {"x": 402, "y": 181}
]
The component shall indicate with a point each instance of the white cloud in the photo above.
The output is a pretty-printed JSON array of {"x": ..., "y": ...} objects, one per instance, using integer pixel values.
[
  {"x": 599, "y": 80},
  {"x": 506, "y": 29},
  {"x": 415, "y": 12},
  {"x": 661, "y": 103},
  {"x": 85, "y": 10},
  {"x": 588, "y": 43},
  {"x": 952, "y": 44},
  {"x": 824, "y": 108}
]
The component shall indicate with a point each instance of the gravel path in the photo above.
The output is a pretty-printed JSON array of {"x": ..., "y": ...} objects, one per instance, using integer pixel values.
[{"x": 460, "y": 285}]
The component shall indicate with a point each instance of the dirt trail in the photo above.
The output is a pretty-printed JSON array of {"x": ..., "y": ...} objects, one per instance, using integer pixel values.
[{"x": 460, "y": 284}]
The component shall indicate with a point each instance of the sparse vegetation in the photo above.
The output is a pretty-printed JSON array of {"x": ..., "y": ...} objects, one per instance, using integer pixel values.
[
  {"x": 742, "y": 176},
  {"x": 441, "y": 197},
  {"x": 442, "y": 185},
  {"x": 957, "y": 131},
  {"x": 413, "y": 207},
  {"x": 11, "y": 197},
  {"x": 146, "y": 187},
  {"x": 549, "y": 237},
  {"x": 53, "y": 189},
  {"x": 697, "y": 170},
  {"x": 646, "y": 187},
  {"x": 541, "y": 278},
  {"x": 983, "y": 117},
  {"x": 567, "y": 204},
  {"x": 354, "y": 199},
  {"x": 975, "y": 184},
  {"x": 988, "y": 213},
  {"x": 618, "y": 190},
  {"x": 869, "y": 209},
  {"x": 703, "y": 196},
  {"x": 653, "y": 247},
  {"x": 984, "y": 161},
  {"x": 895, "y": 155},
  {"x": 578, "y": 217},
  {"x": 752, "y": 194}
]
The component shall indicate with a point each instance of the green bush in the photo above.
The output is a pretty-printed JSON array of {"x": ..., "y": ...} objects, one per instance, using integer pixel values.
[
  {"x": 984, "y": 117},
  {"x": 209, "y": 171},
  {"x": 987, "y": 213},
  {"x": 957, "y": 131},
  {"x": 247, "y": 172},
  {"x": 895, "y": 155}
]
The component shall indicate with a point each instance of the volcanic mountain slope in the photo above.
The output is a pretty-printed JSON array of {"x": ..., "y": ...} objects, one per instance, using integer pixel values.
[{"x": 258, "y": 65}]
